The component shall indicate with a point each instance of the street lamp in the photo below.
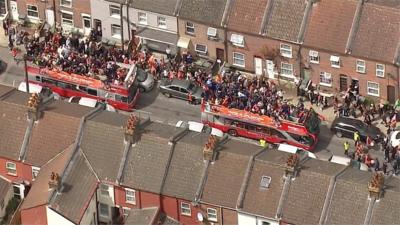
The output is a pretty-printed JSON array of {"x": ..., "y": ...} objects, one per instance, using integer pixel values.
[{"x": 26, "y": 73}]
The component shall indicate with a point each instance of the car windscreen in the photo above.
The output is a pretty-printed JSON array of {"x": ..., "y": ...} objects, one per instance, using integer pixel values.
[{"x": 192, "y": 87}]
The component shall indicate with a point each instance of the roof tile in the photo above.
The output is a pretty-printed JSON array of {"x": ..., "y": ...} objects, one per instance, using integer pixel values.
[{"x": 247, "y": 15}]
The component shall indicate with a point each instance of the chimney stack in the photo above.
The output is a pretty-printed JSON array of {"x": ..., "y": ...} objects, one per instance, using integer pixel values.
[
  {"x": 131, "y": 128},
  {"x": 209, "y": 148},
  {"x": 33, "y": 106},
  {"x": 54, "y": 181},
  {"x": 375, "y": 186},
  {"x": 292, "y": 165}
]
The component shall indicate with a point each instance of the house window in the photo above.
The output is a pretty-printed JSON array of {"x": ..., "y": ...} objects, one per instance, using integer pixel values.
[
  {"x": 237, "y": 40},
  {"x": 185, "y": 209},
  {"x": 66, "y": 3},
  {"x": 360, "y": 66},
  {"x": 33, "y": 11},
  {"x": 238, "y": 59},
  {"x": 142, "y": 18},
  {"x": 335, "y": 61},
  {"x": 130, "y": 196},
  {"x": 265, "y": 181},
  {"x": 287, "y": 70},
  {"x": 67, "y": 19},
  {"x": 104, "y": 190},
  {"x": 286, "y": 50},
  {"x": 11, "y": 168},
  {"x": 212, "y": 32},
  {"x": 103, "y": 208},
  {"x": 212, "y": 214},
  {"x": 162, "y": 22},
  {"x": 125, "y": 211},
  {"x": 189, "y": 28},
  {"x": 325, "y": 79},
  {"x": 373, "y": 88},
  {"x": 380, "y": 70},
  {"x": 115, "y": 11},
  {"x": 314, "y": 56},
  {"x": 115, "y": 31},
  {"x": 202, "y": 49},
  {"x": 35, "y": 171}
]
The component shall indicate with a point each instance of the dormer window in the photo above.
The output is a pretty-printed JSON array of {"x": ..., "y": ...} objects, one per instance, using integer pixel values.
[
  {"x": 265, "y": 182},
  {"x": 212, "y": 32},
  {"x": 314, "y": 56},
  {"x": 286, "y": 50},
  {"x": 237, "y": 40},
  {"x": 335, "y": 61}
]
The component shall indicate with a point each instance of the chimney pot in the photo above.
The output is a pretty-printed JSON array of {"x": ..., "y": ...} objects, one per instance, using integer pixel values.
[
  {"x": 291, "y": 165},
  {"x": 209, "y": 148},
  {"x": 54, "y": 181},
  {"x": 375, "y": 186},
  {"x": 33, "y": 106},
  {"x": 131, "y": 128}
]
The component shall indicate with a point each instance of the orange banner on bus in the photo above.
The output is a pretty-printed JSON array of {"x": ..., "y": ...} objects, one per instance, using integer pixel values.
[
  {"x": 242, "y": 114},
  {"x": 74, "y": 78}
]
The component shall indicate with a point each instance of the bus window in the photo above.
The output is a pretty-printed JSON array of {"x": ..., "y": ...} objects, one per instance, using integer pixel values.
[
  {"x": 92, "y": 92},
  {"x": 37, "y": 78},
  {"x": 82, "y": 88},
  {"x": 306, "y": 140},
  {"x": 276, "y": 133},
  {"x": 121, "y": 98},
  {"x": 61, "y": 84},
  {"x": 49, "y": 81}
]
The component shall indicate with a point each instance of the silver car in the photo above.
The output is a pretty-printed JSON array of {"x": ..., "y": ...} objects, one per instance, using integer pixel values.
[{"x": 145, "y": 79}]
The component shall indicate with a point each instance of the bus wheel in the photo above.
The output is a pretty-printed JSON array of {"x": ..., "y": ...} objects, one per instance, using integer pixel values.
[
  {"x": 339, "y": 134},
  {"x": 232, "y": 133}
]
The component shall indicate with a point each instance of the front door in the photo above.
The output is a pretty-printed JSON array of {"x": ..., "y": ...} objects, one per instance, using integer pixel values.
[
  {"x": 87, "y": 25},
  {"x": 98, "y": 27},
  {"x": 270, "y": 69},
  {"x": 343, "y": 83},
  {"x": 391, "y": 94},
  {"x": 221, "y": 54},
  {"x": 50, "y": 17},
  {"x": 258, "y": 65},
  {"x": 14, "y": 10}
]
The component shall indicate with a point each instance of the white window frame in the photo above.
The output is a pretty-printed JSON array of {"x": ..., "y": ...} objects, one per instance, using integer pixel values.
[
  {"x": 11, "y": 168},
  {"x": 130, "y": 198},
  {"x": 285, "y": 74},
  {"x": 125, "y": 211},
  {"x": 115, "y": 15},
  {"x": 368, "y": 89},
  {"x": 361, "y": 66},
  {"x": 237, "y": 40},
  {"x": 35, "y": 172},
  {"x": 313, "y": 56},
  {"x": 63, "y": 19},
  {"x": 64, "y": 5},
  {"x": 188, "y": 27},
  {"x": 142, "y": 18},
  {"x": 212, "y": 32},
  {"x": 201, "y": 52},
  {"x": 103, "y": 190},
  {"x": 323, "y": 83},
  {"x": 335, "y": 64},
  {"x": 212, "y": 214},
  {"x": 185, "y": 206},
  {"x": 162, "y": 22},
  {"x": 268, "y": 184},
  {"x": 30, "y": 10},
  {"x": 380, "y": 72},
  {"x": 108, "y": 210},
  {"x": 236, "y": 58},
  {"x": 113, "y": 34},
  {"x": 286, "y": 50}
]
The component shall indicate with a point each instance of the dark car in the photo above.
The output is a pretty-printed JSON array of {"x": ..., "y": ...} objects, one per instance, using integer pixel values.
[
  {"x": 346, "y": 127},
  {"x": 181, "y": 89}
]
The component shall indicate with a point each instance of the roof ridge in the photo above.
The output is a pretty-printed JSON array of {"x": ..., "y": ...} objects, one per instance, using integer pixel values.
[
  {"x": 167, "y": 166},
  {"x": 200, "y": 188},
  {"x": 225, "y": 14},
  {"x": 304, "y": 22},
  {"x": 177, "y": 8},
  {"x": 368, "y": 215},
  {"x": 354, "y": 26},
  {"x": 266, "y": 17},
  {"x": 56, "y": 156},
  {"x": 127, "y": 147},
  {"x": 6, "y": 94},
  {"x": 26, "y": 140},
  {"x": 282, "y": 199},
  {"x": 89, "y": 164}
]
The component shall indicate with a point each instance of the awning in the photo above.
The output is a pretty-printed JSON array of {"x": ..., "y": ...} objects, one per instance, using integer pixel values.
[
  {"x": 157, "y": 35},
  {"x": 335, "y": 58},
  {"x": 183, "y": 42}
]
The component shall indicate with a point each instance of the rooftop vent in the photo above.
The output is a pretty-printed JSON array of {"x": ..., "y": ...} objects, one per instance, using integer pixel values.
[
  {"x": 209, "y": 148},
  {"x": 375, "y": 186},
  {"x": 131, "y": 128},
  {"x": 33, "y": 106}
]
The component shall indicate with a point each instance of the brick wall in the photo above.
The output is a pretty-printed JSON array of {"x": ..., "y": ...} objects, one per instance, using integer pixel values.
[{"x": 78, "y": 7}]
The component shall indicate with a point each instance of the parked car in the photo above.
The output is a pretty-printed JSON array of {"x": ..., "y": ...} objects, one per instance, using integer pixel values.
[
  {"x": 200, "y": 127},
  {"x": 346, "y": 127},
  {"x": 181, "y": 89},
  {"x": 394, "y": 138},
  {"x": 145, "y": 80},
  {"x": 35, "y": 88},
  {"x": 89, "y": 102}
]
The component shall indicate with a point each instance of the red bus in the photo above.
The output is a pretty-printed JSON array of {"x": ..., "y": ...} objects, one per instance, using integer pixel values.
[
  {"x": 246, "y": 124},
  {"x": 122, "y": 96}
]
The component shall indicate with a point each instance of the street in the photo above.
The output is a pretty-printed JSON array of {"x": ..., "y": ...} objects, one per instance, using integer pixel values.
[{"x": 171, "y": 110}]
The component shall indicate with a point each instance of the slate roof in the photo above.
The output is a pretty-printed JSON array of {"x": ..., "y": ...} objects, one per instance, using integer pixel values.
[
  {"x": 165, "y": 7},
  {"x": 387, "y": 3},
  {"x": 349, "y": 201},
  {"x": 378, "y": 34},
  {"x": 186, "y": 167},
  {"x": 39, "y": 193},
  {"x": 386, "y": 210},
  {"x": 103, "y": 144},
  {"x": 78, "y": 188},
  {"x": 274, "y": 157},
  {"x": 307, "y": 193},
  {"x": 208, "y": 12},
  {"x": 52, "y": 134},
  {"x": 13, "y": 124},
  {"x": 17, "y": 97},
  {"x": 5, "y": 186},
  {"x": 247, "y": 15},
  {"x": 263, "y": 202},
  {"x": 67, "y": 109},
  {"x": 285, "y": 20},
  {"x": 147, "y": 160},
  {"x": 330, "y": 24},
  {"x": 5, "y": 89},
  {"x": 145, "y": 216}
]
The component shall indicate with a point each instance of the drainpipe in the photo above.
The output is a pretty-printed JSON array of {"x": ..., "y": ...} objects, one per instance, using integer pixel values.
[
  {"x": 55, "y": 14},
  {"x": 122, "y": 26},
  {"x": 127, "y": 19}
]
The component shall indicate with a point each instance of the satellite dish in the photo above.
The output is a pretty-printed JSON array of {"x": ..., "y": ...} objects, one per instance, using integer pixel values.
[{"x": 200, "y": 217}]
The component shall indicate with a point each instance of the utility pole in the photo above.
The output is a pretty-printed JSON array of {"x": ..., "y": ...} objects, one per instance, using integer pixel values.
[
  {"x": 55, "y": 14},
  {"x": 122, "y": 26},
  {"x": 26, "y": 73},
  {"x": 128, "y": 3}
]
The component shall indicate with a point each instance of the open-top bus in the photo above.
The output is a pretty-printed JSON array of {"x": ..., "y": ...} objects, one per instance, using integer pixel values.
[
  {"x": 120, "y": 96},
  {"x": 246, "y": 124}
]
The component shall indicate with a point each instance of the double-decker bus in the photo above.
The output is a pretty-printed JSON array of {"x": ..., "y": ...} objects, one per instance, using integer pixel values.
[
  {"x": 120, "y": 96},
  {"x": 237, "y": 122}
]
